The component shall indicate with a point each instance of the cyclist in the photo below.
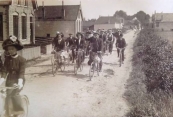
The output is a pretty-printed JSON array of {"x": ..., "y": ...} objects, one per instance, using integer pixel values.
[
  {"x": 87, "y": 40},
  {"x": 70, "y": 43},
  {"x": 121, "y": 43},
  {"x": 103, "y": 36},
  {"x": 58, "y": 44},
  {"x": 96, "y": 46},
  {"x": 110, "y": 41},
  {"x": 80, "y": 45},
  {"x": 13, "y": 70}
]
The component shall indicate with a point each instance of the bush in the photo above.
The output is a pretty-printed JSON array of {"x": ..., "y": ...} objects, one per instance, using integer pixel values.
[{"x": 150, "y": 86}]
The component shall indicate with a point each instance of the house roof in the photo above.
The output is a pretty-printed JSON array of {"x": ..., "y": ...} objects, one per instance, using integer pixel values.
[
  {"x": 107, "y": 20},
  {"x": 88, "y": 23},
  {"x": 54, "y": 12},
  {"x": 164, "y": 17}
]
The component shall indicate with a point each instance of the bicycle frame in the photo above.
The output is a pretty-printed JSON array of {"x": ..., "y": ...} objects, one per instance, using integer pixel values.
[
  {"x": 94, "y": 65},
  {"x": 3, "y": 93},
  {"x": 120, "y": 55}
]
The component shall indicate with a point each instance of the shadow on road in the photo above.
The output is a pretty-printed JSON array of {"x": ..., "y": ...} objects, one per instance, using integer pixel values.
[{"x": 111, "y": 64}]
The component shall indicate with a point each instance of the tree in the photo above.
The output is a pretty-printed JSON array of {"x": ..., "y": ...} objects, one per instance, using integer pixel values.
[
  {"x": 121, "y": 13},
  {"x": 142, "y": 17}
]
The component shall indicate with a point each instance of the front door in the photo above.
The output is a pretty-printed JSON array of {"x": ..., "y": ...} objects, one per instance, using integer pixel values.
[{"x": 1, "y": 27}]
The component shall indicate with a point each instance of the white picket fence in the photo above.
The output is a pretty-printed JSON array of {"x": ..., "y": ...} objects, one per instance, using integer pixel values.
[{"x": 30, "y": 53}]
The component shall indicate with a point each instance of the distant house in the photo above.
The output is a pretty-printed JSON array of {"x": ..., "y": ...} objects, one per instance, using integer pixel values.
[
  {"x": 133, "y": 23},
  {"x": 88, "y": 25},
  {"x": 64, "y": 18},
  {"x": 163, "y": 21},
  {"x": 108, "y": 22},
  {"x": 17, "y": 18}
]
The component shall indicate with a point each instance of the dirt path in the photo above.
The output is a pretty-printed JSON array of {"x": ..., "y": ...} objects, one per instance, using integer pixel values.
[{"x": 67, "y": 95}]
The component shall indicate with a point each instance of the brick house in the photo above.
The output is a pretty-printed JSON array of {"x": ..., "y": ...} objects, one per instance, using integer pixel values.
[
  {"x": 17, "y": 18},
  {"x": 162, "y": 21},
  {"x": 108, "y": 22},
  {"x": 63, "y": 18}
]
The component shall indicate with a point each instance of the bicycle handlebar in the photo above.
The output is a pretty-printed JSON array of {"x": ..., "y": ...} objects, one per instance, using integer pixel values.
[{"x": 14, "y": 87}]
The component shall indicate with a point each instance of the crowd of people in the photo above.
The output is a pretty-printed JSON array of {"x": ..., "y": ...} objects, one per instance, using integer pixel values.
[
  {"x": 90, "y": 42},
  {"x": 86, "y": 44}
]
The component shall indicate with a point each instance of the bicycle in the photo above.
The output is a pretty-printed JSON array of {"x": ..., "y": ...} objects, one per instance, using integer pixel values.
[
  {"x": 120, "y": 56},
  {"x": 79, "y": 63},
  {"x": 95, "y": 65},
  {"x": 58, "y": 62},
  {"x": 108, "y": 46},
  {"x": 25, "y": 102}
]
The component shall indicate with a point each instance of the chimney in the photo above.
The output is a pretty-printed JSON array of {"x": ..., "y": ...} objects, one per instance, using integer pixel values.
[
  {"x": 43, "y": 10},
  {"x": 63, "y": 10}
]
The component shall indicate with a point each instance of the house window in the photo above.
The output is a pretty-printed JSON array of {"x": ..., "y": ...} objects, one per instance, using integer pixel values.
[
  {"x": 19, "y": 2},
  {"x": 15, "y": 25},
  {"x": 24, "y": 27},
  {"x": 1, "y": 27},
  {"x": 48, "y": 35},
  {"x": 26, "y": 2},
  {"x": 157, "y": 24}
]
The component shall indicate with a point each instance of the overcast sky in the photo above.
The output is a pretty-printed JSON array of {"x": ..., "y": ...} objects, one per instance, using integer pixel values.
[{"x": 94, "y": 8}]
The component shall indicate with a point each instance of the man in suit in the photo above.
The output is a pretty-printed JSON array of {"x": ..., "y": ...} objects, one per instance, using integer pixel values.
[
  {"x": 96, "y": 46},
  {"x": 70, "y": 43}
]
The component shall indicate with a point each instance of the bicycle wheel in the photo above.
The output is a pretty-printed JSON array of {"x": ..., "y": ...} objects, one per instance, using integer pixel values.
[
  {"x": 75, "y": 69},
  {"x": 62, "y": 64},
  {"x": 81, "y": 67},
  {"x": 98, "y": 68},
  {"x": 25, "y": 102},
  {"x": 91, "y": 71},
  {"x": 54, "y": 65},
  {"x": 120, "y": 61}
]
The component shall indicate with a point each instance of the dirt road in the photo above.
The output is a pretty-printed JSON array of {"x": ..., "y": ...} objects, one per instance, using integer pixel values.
[{"x": 67, "y": 95}]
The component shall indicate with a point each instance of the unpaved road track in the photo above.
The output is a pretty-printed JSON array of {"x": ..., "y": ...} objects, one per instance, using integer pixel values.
[{"x": 67, "y": 95}]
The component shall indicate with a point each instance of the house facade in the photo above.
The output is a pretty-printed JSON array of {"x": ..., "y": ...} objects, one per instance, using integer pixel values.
[
  {"x": 162, "y": 21},
  {"x": 108, "y": 22},
  {"x": 64, "y": 18},
  {"x": 17, "y": 18}
]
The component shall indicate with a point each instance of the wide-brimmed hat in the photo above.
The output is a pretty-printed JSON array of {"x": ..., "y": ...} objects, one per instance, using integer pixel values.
[
  {"x": 12, "y": 41},
  {"x": 79, "y": 33},
  {"x": 95, "y": 32},
  {"x": 60, "y": 33}
]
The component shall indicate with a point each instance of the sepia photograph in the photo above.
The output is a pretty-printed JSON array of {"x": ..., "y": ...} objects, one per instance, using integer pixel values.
[{"x": 86, "y": 58}]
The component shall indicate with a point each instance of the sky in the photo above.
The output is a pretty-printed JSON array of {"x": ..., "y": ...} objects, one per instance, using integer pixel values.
[{"x": 95, "y": 8}]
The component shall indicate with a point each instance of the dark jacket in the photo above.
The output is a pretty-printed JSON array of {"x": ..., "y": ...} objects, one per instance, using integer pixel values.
[
  {"x": 97, "y": 44},
  {"x": 121, "y": 43},
  {"x": 14, "y": 68},
  {"x": 80, "y": 45},
  {"x": 58, "y": 46},
  {"x": 71, "y": 41},
  {"x": 103, "y": 37}
]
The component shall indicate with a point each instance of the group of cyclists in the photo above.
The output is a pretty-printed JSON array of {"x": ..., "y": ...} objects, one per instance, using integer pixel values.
[{"x": 89, "y": 43}]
